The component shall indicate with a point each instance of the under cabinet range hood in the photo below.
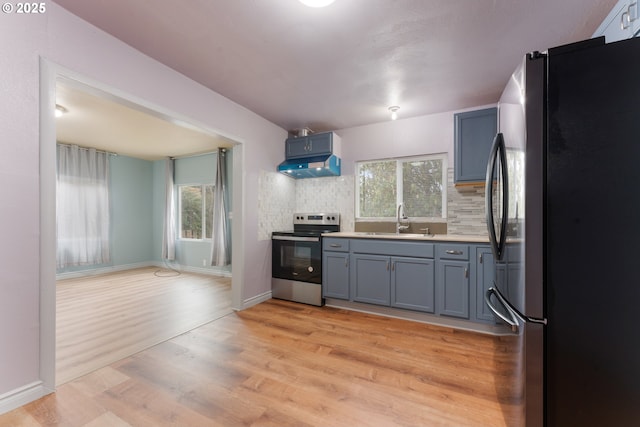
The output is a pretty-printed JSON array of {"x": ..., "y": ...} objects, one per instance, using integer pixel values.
[
  {"x": 311, "y": 167},
  {"x": 312, "y": 156}
]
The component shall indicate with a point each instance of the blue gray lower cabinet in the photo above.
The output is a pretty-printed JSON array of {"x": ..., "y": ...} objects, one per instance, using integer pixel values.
[
  {"x": 454, "y": 271},
  {"x": 453, "y": 283},
  {"x": 445, "y": 279},
  {"x": 413, "y": 284},
  {"x": 335, "y": 275},
  {"x": 371, "y": 278},
  {"x": 505, "y": 275},
  {"x": 401, "y": 282},
  {"x": 335, "y": 268},
  {"x": 486, "y": 275}
]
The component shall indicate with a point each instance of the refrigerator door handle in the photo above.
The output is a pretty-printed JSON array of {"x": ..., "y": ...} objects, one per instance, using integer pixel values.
[
  {"x": 513, "y": 312},
  {"x": 512, "y": 320},
  {"x": 498, "y": 153}
]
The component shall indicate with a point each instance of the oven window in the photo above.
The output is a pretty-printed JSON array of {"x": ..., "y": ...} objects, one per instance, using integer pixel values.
[
  {"x": 296, "y": 260},
  {"x": 302, "y": 252}
]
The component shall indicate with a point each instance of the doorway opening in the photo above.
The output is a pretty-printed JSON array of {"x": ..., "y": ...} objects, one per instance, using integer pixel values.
[{"x": 63, "y": 87}]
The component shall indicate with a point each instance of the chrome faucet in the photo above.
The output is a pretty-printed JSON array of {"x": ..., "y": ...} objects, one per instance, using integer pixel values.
[{"x": 399, "y": 217}]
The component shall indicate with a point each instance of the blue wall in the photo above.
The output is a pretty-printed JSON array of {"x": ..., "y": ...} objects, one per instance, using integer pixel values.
[
  {"x": 137, "y": 212},
  {"x": 131, "y": 213},
  {"x": 132, "y": 210},
  {"x": 197, "y": 170}
]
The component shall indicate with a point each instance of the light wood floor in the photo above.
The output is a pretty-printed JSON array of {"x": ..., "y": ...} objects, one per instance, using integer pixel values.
[
  {"x": 286, "y": 364},
  {"x": 102, "y": 319}
]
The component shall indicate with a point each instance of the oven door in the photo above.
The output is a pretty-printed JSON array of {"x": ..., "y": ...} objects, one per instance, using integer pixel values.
[{"x": 297, "y": 258}]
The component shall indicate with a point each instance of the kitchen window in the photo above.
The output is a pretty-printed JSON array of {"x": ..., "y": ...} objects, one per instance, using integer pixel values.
[
  {"x": 196, "y": 211},
  {"x": 419, "y": 183}
]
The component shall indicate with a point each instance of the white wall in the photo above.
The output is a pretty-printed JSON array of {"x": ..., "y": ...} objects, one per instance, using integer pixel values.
[
  {"x": 430, "y": 134},
  {"x": 72, "y": 44}
]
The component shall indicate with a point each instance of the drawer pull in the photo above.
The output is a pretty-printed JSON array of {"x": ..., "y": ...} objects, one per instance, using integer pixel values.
[
  {"x": 452, "y": 252},
  {"x": 335, "y": 245}
]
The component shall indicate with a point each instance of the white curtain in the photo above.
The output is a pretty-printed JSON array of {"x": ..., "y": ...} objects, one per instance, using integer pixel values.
[
  {"x": 221, "y": 242},
  {"x": 82, "y": 206},
  {"x": 169, "y": 225}
]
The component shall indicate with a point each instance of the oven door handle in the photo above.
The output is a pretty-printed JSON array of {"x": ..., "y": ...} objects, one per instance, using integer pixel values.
[{"x": 296, "y": 238}]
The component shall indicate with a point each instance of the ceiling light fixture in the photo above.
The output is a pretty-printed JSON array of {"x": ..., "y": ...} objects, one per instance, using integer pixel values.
[
  {"x": 316, "y": 3},
  {"x": 394, "y": 112},
  {"x": 60, "y": 110}
]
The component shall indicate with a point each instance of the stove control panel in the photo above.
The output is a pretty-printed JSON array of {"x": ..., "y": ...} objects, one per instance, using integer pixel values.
[{"x": 316, "y": 218}]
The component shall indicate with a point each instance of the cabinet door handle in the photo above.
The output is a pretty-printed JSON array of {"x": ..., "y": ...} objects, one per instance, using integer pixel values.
[
  {"x": 466, "y": 273},
  {"x": 393, "y": 266},
  {"x": 480, "y": 259},
  {"x": 633, "y": 11},
  {"x": 346, "y": 262},
  {"x": 452, "y": 252},
  {"x": 624, "y": 20},
  {"x": 387, "y": 265}
]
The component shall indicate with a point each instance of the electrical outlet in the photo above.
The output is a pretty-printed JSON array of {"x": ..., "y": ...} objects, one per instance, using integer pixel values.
[{"x": 204, "y": 262}]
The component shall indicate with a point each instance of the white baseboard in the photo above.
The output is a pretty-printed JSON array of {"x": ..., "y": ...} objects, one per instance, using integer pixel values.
[
  {"x": 103, "y": 270},
  {"x": 211, "y": 271},
  {"x": 256, "y": 300},
  {"x": 23, "y": 395}
]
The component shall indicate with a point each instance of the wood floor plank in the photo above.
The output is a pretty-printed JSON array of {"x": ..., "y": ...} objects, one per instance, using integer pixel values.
[
  {"x": 141, "y": 404},
  {"x": 102, "y": 319},
  {"x": 286, "y": 364},
  {"x": 19, "y": 417},
  {"x": 107, "y": 419}
]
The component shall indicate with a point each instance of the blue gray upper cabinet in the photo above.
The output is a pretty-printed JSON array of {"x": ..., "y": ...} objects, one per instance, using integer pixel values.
[
  {"x": 308, "y": 146},
  {"x": 623, "y": 22},
  {"x": 473, "y": 133}
]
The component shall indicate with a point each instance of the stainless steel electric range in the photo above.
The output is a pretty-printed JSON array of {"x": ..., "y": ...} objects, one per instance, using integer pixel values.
[{"x": 296, "y": 262}]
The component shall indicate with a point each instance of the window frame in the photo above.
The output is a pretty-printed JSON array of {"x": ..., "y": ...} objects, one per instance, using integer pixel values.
[
  {"x": 400, "y": 186},
  {"x": 203, "y": 211}
]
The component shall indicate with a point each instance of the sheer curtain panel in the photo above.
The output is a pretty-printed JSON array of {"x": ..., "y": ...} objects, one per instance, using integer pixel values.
[
  {"x": 169, "y": 225},
  {"x": 82, "y": 206},
  {"x": 221, "y": 244}
]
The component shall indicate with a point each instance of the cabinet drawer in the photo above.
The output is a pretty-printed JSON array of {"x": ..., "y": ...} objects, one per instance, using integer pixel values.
[
  {"x": 392, "y": 248},
  {"x": 335, "y": 244},
  {"x": 451, "y": 251}
]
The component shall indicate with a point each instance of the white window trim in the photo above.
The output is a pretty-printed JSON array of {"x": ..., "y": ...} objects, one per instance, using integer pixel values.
[{"x": 445, "y": 167}]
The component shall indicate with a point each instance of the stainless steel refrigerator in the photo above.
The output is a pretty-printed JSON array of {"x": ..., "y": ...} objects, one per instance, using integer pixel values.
[{"x": 563, "y": 187}]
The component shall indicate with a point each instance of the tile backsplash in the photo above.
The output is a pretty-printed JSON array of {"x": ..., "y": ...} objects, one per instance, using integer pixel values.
[
  {"x": 280, "y": 197},
  {"x": 465, "y": 209},
  {"x": 276, "y": 203},
  {"x": 329, "y": 194}
]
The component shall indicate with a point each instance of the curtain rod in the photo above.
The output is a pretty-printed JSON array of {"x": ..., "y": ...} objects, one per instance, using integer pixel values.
[
  {"x": 87, "y": 148},
  {"x": 186, "y": 156}
]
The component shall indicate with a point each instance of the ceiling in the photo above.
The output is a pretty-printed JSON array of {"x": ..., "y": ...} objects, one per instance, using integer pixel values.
[
  {"x": 344, "y": 65},
  {"x": 99, "y": 120}
]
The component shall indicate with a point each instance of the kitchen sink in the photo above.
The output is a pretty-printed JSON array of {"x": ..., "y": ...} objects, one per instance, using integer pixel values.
[
  {"x": 376, "y": 233},
  {"x": 400, "y": 235}
]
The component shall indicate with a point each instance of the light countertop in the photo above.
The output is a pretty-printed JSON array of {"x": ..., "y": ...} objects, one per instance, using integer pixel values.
[{"x": 409, "y": 236}]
